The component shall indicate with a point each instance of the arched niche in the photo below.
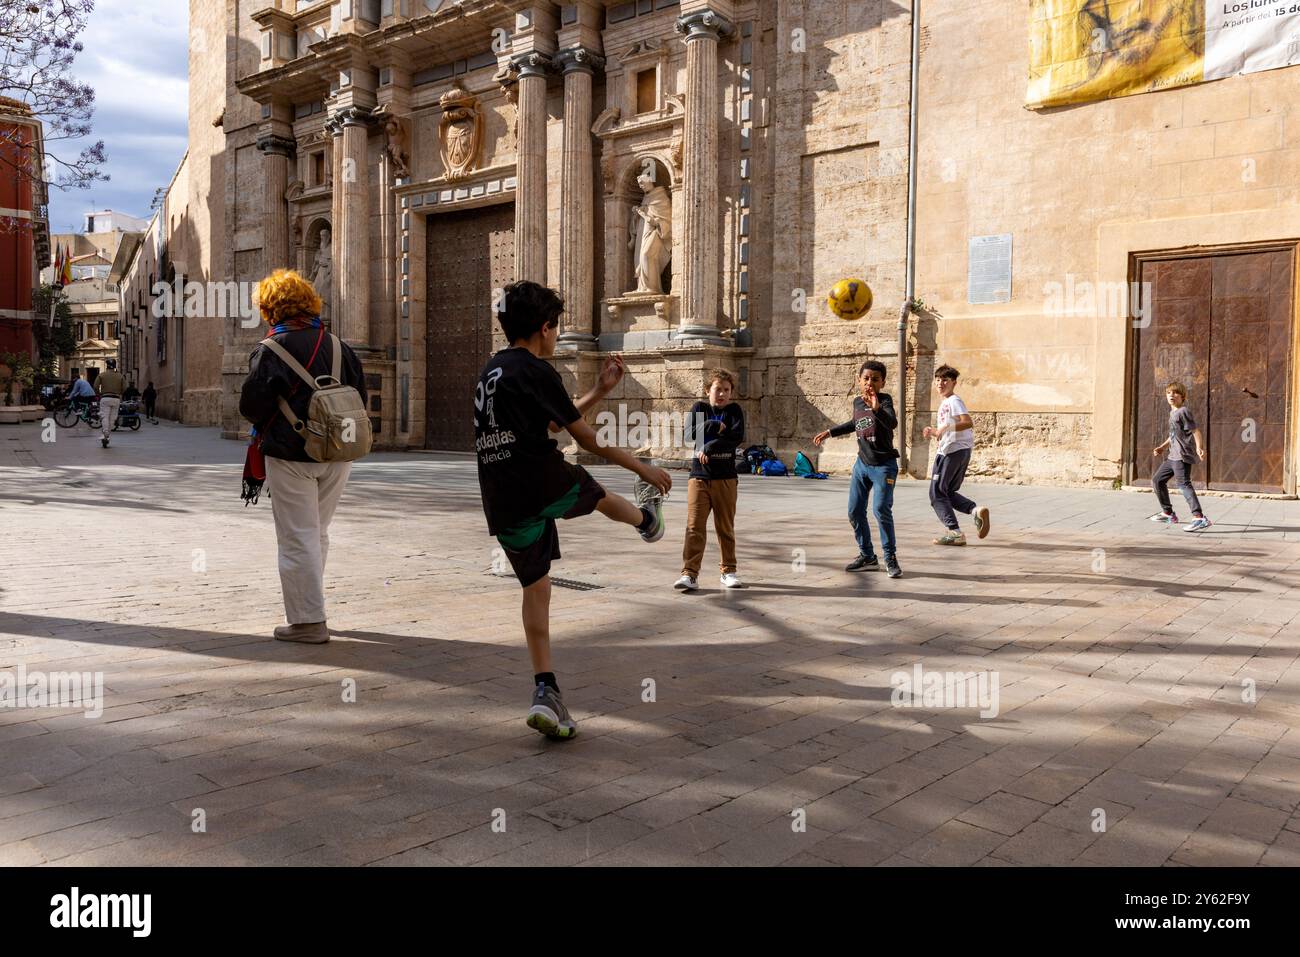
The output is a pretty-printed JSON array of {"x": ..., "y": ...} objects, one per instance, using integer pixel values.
[
  {"x": 311, "y": 244},
  {"x": 625, "y": 196}
]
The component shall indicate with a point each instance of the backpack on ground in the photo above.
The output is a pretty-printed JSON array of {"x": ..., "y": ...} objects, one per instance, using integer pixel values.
[
  {"x": 756, "y": 455},
  {"x": 337, "y": 427},
  {"x": 803, "y": 467},
  {"x": 773, "y": 467}
]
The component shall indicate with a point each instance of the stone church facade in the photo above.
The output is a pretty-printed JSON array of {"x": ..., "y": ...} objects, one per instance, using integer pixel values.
[
  {"x": 414, "y": 156},
  {"x": 438, "y": 155}
]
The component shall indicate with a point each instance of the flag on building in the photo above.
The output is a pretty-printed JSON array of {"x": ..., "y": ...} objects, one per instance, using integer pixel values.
[{"x": 65, "y": 276}]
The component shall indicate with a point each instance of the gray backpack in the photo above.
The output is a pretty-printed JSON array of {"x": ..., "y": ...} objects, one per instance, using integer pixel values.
[{"x": 337, "y": 427}]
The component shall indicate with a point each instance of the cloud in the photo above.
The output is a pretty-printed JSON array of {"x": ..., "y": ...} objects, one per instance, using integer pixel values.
[{"x": 136, "y": 58}]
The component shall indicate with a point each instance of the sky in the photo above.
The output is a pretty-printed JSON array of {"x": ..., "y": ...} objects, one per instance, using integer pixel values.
[{"x": 136, "y": 58}]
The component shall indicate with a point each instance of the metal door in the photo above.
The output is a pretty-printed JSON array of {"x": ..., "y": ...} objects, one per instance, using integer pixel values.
[
  {"x": 1250, "y": 351},
  {"x": 1223, "y": 326}
]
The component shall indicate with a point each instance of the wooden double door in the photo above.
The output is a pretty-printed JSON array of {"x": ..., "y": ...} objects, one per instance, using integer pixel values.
[
  {"x": 1223, "y": 324},
  {"x": 470, "y": 254}
]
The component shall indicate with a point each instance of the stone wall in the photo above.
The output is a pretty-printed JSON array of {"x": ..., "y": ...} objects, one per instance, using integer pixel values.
[
  {"x": 243, "y": 190},
  {"x": 199, "y": 233},
  {"x": 1080, "y": 188}
]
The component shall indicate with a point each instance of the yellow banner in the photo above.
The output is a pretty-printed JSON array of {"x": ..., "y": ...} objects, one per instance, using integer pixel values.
[{"x": 1084, "y": 50}]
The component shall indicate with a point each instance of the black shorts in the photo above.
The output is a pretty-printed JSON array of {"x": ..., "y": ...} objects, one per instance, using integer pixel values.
[{"x": 531, "y": 545}]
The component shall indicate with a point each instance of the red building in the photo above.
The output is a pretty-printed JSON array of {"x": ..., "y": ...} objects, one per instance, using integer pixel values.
[{"x": 24, "y": 225}]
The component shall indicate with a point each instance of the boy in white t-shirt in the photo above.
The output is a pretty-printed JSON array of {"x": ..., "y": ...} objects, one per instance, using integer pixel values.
[{"x": 956, "y": 439}]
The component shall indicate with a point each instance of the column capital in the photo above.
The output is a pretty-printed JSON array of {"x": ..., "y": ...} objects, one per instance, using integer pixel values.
[
  {"x": 271, "y": 143},
  {"x": 352, "y": 116},
  {"x": 704, "y": 25},
  {"x": 576, "y": 59},
  {"x": 533, "y": 63}
]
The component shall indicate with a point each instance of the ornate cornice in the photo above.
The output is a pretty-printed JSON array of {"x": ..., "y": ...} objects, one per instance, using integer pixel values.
[
  {"x": 577, "y": 59},
  {"x": 704, "y": 24}
]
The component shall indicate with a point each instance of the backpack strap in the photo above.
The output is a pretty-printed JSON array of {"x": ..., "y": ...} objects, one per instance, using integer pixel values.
[
  {"x": 293, "y": 364},
  {"x": 296, "y": 366}
]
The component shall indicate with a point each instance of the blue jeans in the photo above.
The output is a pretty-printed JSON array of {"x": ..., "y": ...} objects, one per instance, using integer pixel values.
[{"x": 882, "y": 479}]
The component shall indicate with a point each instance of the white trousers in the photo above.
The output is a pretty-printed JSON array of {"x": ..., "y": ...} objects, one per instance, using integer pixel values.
[
  {"x": 108, "y": 414},
  {"x": 303, "y": 498}
]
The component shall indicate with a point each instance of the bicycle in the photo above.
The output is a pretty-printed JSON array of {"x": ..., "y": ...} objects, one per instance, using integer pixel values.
[{"x": 70, "y": 413}]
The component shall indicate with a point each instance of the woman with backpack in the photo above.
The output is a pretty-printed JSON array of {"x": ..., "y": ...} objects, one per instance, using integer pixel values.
[{"x": 306, "y": 397}]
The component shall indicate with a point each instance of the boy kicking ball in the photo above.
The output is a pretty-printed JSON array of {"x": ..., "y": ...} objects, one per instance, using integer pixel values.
[
  {"x": 1183, "y": 434},
  {"x": 525, "y": 482}
]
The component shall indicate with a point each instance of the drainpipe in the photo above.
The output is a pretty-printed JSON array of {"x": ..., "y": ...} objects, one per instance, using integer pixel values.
[{"x": 909, "y": 294}]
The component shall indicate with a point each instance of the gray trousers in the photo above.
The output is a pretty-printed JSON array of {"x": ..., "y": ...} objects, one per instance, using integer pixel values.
[
  {"x": 1182, "y": 471},
  {"x": 946, "y": 478}
]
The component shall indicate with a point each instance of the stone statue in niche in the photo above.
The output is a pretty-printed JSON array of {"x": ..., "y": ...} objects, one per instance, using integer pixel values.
[
  {"x": 322, "y": 273},
  {"x": 460, "y": 131},
  {"x": 398, "y": 150},
  {"x": 651, "y": 234}
]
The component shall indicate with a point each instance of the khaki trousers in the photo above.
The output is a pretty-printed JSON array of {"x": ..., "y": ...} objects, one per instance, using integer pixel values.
[
  {"x": 108, "y": 406},
  {"x": 702, "y": 497},
  {"x": 303, "y": 498}
]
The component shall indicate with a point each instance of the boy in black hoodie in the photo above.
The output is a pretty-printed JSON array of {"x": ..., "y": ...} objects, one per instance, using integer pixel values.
[
  {"x": 716, "y": 428},
  {"x": 874, "y": 421}
]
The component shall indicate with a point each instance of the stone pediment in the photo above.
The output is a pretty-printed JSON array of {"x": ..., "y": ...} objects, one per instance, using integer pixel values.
[
  {"x": 607, "y": 125},
  {"x": 641, "y": 50}
]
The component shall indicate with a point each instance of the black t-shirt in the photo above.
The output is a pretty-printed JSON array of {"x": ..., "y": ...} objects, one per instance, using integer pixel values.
[
  {"x": 875, "y": 430},
  {"x": 520, "y": 467}
]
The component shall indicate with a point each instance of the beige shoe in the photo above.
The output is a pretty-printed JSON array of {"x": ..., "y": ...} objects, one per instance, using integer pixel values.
[
  {"x": 951, "y": 538},
  {"x": 315, "y": 633}
]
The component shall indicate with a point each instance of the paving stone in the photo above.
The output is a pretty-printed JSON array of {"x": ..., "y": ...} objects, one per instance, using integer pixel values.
[
  {"x": 1005, "y": 813},
  {"x": 1118, "y": 692}
]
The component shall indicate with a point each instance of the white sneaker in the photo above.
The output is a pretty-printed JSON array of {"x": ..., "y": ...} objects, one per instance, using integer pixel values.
[
  {"x": 731, "y": 580},
  {"x": 686, "y": 583}
]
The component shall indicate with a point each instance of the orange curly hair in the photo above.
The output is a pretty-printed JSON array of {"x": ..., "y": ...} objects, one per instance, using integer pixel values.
[{"x": 286, "y": 295}]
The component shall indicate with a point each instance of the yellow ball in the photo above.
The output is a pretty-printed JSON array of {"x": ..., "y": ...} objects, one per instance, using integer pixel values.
[{"x": 850, "y": 299}]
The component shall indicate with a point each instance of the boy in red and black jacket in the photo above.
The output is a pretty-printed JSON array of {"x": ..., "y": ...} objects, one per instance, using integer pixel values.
[{"x": 876, "y": 469}]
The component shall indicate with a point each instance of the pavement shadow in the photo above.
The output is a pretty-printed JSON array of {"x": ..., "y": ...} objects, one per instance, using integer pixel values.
[{"x": 1169, "y": 589}]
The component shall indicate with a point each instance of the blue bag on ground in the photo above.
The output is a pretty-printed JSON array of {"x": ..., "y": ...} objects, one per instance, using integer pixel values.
[
  {"x": 756, "y": 455},
  {"x": 773, "y": 467}
]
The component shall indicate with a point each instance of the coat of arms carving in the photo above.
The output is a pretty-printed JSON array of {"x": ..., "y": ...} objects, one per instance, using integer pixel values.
[{"x": 460, "y": 131}]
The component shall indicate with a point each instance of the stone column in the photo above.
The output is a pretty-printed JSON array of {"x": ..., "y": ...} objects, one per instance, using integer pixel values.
[
  {"x": 352, "y": 250},
  {"x": 700, "y": 240},
  {"x": 577, "y": 216},
  {"x": 335, "y": 131},
  {"x": 278, "y": 151},
  {"x": 530, "y": 194}
]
